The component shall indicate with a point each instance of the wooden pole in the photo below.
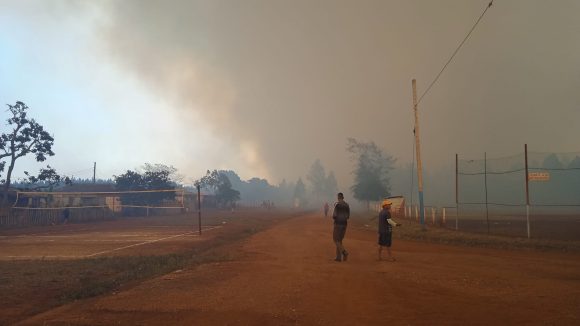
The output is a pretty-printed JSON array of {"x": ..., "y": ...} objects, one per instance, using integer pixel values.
[{"x": 418, "y": 153}]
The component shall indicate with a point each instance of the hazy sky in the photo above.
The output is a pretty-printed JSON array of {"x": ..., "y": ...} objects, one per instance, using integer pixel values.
[{"x": 266, "y": 87}]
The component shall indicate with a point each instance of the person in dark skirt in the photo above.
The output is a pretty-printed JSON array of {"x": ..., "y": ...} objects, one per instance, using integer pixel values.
[{"x": 386, "y": 224}]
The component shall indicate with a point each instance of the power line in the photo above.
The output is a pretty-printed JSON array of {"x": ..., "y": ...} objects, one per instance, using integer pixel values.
[{"x": 455, "y": 52}]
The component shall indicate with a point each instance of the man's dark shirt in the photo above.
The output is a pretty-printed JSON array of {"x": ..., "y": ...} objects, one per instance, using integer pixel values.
[
  {"x": 384, "y": 226},
  {"x": 341, "y": 213}
]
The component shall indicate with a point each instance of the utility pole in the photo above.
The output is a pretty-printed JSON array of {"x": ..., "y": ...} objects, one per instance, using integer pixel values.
[
  {"x": 418, "y": 150},
  {"x": 95, "y": 172}
]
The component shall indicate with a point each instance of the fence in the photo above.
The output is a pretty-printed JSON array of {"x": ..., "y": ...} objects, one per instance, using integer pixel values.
[
  {"x": 46, "y": 208},
  {"x": 523, "y": 195},
  {"x": 531, "y": 194}
]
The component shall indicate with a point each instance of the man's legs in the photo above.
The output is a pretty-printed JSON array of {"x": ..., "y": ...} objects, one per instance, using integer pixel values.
[
  {"x": 338, "y": 235},
  {"x": 339, "y": 249}
]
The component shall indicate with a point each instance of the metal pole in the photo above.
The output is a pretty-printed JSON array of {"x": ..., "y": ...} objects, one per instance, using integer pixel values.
[
  {"x": 527, "y": 191},
  {"x": 485, "y": 183},
  {"x": 94, "y": 172},
  {"x": 418, "y": 150},
  {"x": 199, "y": 208},
  {"x": 456, "y": 191}
]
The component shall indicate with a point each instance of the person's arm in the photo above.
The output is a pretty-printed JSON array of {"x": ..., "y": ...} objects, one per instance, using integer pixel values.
[
  {"x": 393, "y": 223},
  {"x": 334, "y": 212},
  {"x": 347, "y": 211}
]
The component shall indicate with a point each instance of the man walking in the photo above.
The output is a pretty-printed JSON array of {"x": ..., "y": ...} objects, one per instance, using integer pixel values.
[{"x": 340, "y": 215}]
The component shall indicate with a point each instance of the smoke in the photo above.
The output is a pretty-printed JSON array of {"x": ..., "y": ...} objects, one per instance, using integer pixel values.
[{"x": 281, "y": 83}]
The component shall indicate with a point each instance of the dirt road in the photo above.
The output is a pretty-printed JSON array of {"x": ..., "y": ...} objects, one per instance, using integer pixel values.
[{"x": 286, "y": 276}]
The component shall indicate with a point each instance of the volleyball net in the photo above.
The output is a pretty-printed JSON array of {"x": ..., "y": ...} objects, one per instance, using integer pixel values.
[{"x": 43, "y": 208}]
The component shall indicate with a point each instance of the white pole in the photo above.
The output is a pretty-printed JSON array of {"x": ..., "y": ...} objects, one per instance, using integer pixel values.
[
  {"x": 443, "y": 216},
  {"x": 433, "y": 214}
]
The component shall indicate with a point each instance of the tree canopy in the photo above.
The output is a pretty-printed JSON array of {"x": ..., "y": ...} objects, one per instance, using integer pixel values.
[
  {"x": 219, "y": 183},
  {"x": 153, "y": 179},
  {"x": 371, "y": 170},
  {"x": 25, "y": 136}
]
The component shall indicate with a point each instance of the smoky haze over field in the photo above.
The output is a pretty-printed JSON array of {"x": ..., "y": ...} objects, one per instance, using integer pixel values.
[
  {"x": 282, "y": 83},
  {"x": 288, "y": 81}
]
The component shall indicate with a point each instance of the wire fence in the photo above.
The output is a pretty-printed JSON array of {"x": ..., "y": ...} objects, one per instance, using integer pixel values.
[
  {"x": 48, "y": 208},
  {"x": 531, "y": 194}
]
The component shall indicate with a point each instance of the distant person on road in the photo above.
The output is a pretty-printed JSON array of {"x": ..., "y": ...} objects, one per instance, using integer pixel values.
[
  {"x": 65, "y": 214},
  {"x": 340, "y": 215},
  {"x": 386, "y": 224},
  {"x": 326, "y": 208}
]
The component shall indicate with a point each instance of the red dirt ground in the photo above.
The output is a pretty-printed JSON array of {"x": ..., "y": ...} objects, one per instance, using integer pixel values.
[{"x": 286, "y": 276}]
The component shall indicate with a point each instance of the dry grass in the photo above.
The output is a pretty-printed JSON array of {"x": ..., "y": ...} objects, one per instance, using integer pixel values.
[{"x": 411, "y": 230}]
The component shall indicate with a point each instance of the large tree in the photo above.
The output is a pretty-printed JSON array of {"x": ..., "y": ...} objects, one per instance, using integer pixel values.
[
  {"x": 25, "y": 136},
  {"x": 317, "y": 179},
  {"x": 300, "y": 193},
  {"x": 47, "y": 179},
  {"x": 219, "y": 183},
  {"x": 153, "y": 179},
  {"x": 371, "y": 171},
  {"x": 331, "y": 186}
]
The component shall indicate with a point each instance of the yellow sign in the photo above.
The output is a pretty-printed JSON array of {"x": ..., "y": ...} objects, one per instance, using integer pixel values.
[{"x": 539, "y": 176}]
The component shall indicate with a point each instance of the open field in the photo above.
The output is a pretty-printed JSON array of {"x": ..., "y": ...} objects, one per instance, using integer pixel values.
[
  {"x": 283, "y": 273},
  {"x": 44, "y": 267}
]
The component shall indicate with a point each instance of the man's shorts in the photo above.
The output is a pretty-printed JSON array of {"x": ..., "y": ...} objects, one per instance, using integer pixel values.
[
  {"x": 339, "y": 231},
  {"x": 385, "y": 239}
]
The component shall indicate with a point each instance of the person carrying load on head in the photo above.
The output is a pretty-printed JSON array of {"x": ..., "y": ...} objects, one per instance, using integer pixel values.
[{"x": 386, "y": 224}]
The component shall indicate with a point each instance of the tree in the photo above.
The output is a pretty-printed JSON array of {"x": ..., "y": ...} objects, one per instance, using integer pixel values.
[
  {"x": 317, "y": 178},
  {"x": 153, "y": 179},
  {"x": 372, "y": 166},
  {"x": 219, "y": 183},
  {"x": 331, "y": 186},
  {"x": 172, "y": 172},
  {"x": 47, "y": 178},
  {"x": 552, "y": 162},
  {"x": 225, "y": 195},
  {"x": 26, "y": 137},
  {"x": 300, "y": 192}
]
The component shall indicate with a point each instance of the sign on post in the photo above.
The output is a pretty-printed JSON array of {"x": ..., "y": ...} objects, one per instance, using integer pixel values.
[{"x": 539, "y": 176}]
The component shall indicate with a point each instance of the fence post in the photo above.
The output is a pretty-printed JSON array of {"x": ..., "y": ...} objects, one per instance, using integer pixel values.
[
  {"x": 485, "y": 184},
  {"x": 443, "y": 216},
  {"x": 527, "y": 192},
  {"x": 456, "y": 190},
  {"x": 433, "y": 214},
  {"x": 416, "y": 212}
]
